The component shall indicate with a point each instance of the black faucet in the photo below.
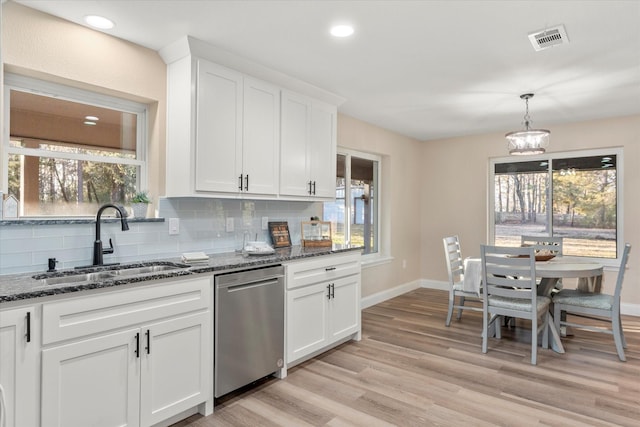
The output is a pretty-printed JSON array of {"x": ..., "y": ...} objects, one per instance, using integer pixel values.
[{"x": 97, "y": 245}]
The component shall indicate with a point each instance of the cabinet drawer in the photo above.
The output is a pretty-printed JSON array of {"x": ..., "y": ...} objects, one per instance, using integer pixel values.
[
  {"x": 77, "y": 317},
  {"x": 306, "y": 272}
]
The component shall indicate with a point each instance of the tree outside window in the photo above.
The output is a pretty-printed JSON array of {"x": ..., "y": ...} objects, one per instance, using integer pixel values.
[
  {"x": 67, "y": 156},
  {"x": 572, "y": 197}
]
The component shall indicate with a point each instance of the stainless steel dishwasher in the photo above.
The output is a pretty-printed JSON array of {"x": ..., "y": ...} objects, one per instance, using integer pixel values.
[{"x": 249, "y": 327}]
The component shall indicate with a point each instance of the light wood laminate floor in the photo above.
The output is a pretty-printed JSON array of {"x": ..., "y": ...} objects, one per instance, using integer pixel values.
[{"x": 411, "y": 370}]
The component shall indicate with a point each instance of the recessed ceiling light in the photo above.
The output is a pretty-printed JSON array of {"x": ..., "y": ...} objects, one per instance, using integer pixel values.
[
  {"x": 341, "y": 30},
  {"x": 89, "y": 123},
  {"x": 92, "y": 118},
  {"x": 99, "y": 22}
]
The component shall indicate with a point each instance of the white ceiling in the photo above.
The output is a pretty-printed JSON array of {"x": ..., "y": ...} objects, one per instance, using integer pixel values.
[{"x": 426, "y": 69}]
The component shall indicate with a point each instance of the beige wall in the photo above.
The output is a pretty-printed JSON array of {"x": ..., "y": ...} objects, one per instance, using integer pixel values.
[
  {"x": 455, "y": 200},
  {"x": 42, "y": 46},
  {"x": 400, "y": 200}
]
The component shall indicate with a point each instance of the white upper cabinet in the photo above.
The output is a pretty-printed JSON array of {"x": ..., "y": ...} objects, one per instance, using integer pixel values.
[
  {"x": 261, "y": 137},
  {"x": 229, "y": 142},
  {"x": 218, "y": 144},
  {"x": 229, "y": 136},
  {"x": 308, "y": 147}
]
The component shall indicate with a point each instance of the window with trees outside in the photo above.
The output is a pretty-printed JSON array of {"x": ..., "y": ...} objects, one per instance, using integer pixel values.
[
  {"x": 68, "y": 150},
  {"x": 574, "y": 196},
  {"x": 354, "y": 214}
]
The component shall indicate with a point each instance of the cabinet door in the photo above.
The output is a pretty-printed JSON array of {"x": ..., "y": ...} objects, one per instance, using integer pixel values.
[
  {"x": 296, "y": 128},
  {"x": 260, "y": 137},
  {"x": 322, "y": 150},
  {"x": 307, "y": 320},
  {"x": 345, "y": 307},
  {"x": 175, "y": 367},
  {"x": 19, "y": 370},
  {"x": 93, "y": 382},
  {"x": 218, "y": 154}
]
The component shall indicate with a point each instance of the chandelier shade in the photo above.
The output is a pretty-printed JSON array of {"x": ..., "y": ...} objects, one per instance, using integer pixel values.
[{"x": 528, "y": 141}]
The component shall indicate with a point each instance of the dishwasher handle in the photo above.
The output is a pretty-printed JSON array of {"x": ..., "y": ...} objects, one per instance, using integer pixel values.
[{"x": 245, "y": 286}]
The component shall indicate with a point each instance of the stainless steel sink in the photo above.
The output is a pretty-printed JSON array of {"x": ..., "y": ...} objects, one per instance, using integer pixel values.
[
  {"x": 75, "y": 278},
  {"x": 97, "y": 274},
  {"x": 134, "y": 271}
]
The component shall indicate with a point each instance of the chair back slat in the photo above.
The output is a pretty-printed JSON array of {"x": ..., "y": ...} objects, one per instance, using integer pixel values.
[
  {"x": 453, "y": 255},
  {"x": 509, "y": 272},
  {"x": 543, "y": 243}
]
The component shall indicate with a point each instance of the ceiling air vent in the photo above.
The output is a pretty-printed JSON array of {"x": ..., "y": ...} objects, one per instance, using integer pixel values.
[{"x": 549, "y": 37}]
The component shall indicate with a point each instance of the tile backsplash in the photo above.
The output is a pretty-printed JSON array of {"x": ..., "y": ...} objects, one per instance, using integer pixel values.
[{"x": 204, "y": 226}]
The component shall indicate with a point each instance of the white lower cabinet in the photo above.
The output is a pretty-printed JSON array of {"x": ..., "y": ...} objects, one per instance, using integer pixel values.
[
  {"x": 323, "y": 304},
  {"x": 19, "y": 368},
  {"x": 92, "y": 382},
  {"x": 155, "y": 366}
]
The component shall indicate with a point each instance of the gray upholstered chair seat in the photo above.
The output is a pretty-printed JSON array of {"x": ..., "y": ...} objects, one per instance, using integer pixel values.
[
  {"x": 578, "y": 298},
  {"x": 519, "y": 304}
]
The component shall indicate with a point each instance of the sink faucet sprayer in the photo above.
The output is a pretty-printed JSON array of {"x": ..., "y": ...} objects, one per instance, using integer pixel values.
[{"x": 97, "y": 245}]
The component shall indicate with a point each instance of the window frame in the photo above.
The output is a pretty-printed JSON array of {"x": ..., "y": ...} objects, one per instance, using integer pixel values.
[
  {"x": 348, "y": 153},
  {"x": 618, "y": 151},
  {"x": 73, "y": 94}
]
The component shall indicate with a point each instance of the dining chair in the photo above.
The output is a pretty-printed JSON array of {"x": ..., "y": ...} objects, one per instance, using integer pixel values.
[
  {"x": 543, "y": 243},
  {"x": 509, "y": 280},
  {"x": 595, "y": 306},
  {"x": 552, "y": 245},
  {"x": 455, "y": 268}
]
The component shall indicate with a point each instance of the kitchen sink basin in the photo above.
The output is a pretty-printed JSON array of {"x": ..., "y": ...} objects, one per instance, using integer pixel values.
[
  {"x": 134, "y": 271},
  {"x": 99, "y": 273},
  {"x": 75, "y": 278}
]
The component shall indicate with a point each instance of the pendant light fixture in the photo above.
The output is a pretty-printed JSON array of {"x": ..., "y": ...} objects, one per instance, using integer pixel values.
[{"x": 527, "y": 141}]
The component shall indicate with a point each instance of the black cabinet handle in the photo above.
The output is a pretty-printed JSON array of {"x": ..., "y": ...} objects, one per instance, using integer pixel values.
[
  {"x": 329, "y": 269},
  {"x": 28, "y": 334},
  {"x": 240, "y": 186},
  {"x": 137, "y": 344},
  {"x": 246, "y": 182},
  {"x": 333, "y": 290},
  {"x": 148, "y": 347},
  {"x": 310, "y": 188},
  {"x": 328, "y": 291},
  {"x": 314, "y": 187}
]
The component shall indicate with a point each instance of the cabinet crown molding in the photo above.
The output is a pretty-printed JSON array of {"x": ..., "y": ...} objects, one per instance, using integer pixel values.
[{"x": 188, "y": 45}]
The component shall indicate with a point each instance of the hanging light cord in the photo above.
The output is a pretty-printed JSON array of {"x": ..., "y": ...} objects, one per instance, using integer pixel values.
[{"x": 527, "y": 119}]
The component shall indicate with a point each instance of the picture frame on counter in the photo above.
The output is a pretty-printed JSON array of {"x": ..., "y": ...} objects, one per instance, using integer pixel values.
[{"x": 279, "y": 232}]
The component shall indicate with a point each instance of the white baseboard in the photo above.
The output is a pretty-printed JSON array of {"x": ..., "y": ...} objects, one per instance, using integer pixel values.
[
  {"x": 630, "y": 309},
  {"x": 379, "y": 297},
  {"x": 625, "y": 308}
]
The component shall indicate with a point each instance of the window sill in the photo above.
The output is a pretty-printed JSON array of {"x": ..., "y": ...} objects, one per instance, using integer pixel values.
[
  {"x": 375, "y": 260},
  {"x": 67, "y": 221}
]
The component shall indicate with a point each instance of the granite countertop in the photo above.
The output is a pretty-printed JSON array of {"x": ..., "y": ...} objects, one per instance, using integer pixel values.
[{"x": 17, "y": 287}]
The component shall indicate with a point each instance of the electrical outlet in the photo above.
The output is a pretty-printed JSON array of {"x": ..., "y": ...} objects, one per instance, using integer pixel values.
[
  {"x": 174, "y": 226},
  {"x": 265, "y": 222},
  {"x": 229, "y": 224}
]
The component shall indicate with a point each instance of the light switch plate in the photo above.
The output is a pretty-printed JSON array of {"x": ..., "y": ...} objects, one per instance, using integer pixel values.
[
  {"x": 265, "y": 222},
  {"x": 229, "y": 224},
  {"x": 174, "y": 226}
]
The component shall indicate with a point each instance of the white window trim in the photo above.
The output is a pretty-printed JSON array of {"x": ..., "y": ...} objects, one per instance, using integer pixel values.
[
  {"x": 618, "y": 151},
  {"x": 68, "y": 93},
  {"x": 381, "y": 256}
]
